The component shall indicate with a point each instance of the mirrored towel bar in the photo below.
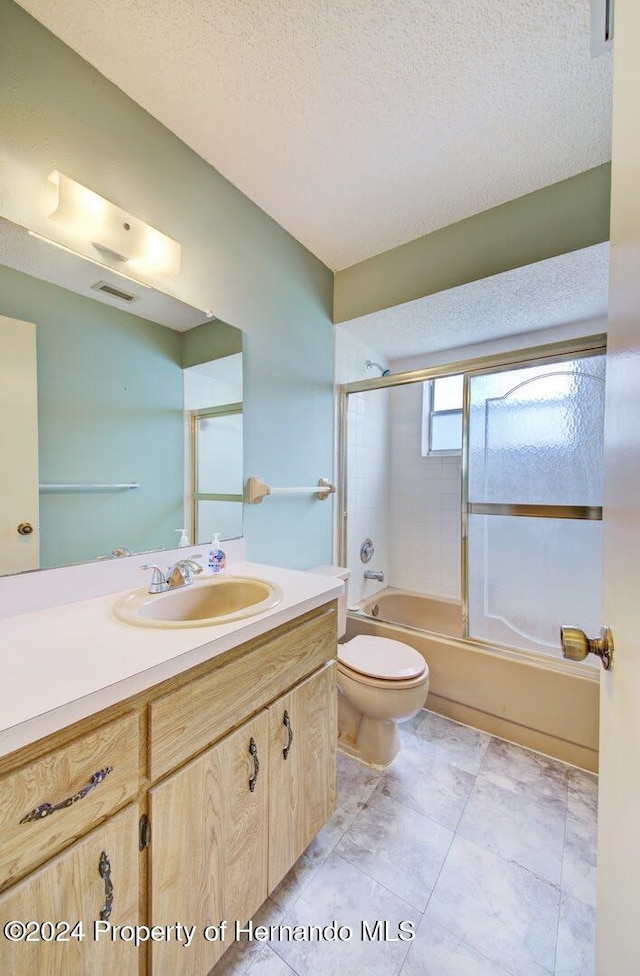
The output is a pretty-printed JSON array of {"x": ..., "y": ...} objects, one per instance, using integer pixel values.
[
  {"x": 89, "y": 487},
  {"x": 257, "y": 489}
]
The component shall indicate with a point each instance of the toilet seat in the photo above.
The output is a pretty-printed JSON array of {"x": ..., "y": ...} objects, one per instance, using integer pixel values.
[{"x": 381, "y": 659}]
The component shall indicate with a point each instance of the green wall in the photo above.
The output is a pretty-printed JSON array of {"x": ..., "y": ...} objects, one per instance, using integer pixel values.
[
  {"x": 109, "y": 410},
  {"x": 560, "y": 218},
  {"x": 211, "y": 340},
  {"x": 58, "y": 112}
]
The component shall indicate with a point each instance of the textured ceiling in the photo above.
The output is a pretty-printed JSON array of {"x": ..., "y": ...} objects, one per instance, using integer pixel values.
[
  {"x": 360, "y": 124},
  {"x": 569, "y": 288}
]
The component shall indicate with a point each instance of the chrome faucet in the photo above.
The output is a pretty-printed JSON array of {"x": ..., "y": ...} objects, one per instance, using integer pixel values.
[
  {"x": 180, "y": 574},
  {"x": 374, "y": 574}
]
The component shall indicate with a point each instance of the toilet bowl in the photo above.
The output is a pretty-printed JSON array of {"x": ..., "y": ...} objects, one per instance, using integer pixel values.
[{"x": 381, "y": 683}]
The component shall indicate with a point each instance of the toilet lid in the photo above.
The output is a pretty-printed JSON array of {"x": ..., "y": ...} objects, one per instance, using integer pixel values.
[{"x": 381, "y": 657}]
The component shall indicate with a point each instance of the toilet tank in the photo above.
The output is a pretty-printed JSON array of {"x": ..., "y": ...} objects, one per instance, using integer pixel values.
[{"x": 340, "y": 573}]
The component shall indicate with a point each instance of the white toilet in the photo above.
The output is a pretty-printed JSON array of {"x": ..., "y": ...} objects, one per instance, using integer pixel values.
[{"x": 381, "y": 682}]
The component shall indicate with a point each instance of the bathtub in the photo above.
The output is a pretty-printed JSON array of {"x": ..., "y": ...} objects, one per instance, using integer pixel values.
[
  {"x": 439, "y": 616},
  {"x": 510, "y": 694}
]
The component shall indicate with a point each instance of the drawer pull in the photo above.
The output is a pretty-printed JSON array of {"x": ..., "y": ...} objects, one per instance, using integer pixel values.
[
  {"x": 253, "y": 752},
  {"x": 287, "y": 724},
  {"x": 46, "y": 809},
  {"x": 104, "y": 869}
]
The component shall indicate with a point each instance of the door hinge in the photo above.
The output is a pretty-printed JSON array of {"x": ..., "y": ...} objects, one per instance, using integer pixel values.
[{"x": 144, "y": 832}]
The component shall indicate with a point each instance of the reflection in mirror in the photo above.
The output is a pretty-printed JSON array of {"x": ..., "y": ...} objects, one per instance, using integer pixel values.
[
  {"x": 117, "y": 427},
  {"x": 213, "y": 397}
]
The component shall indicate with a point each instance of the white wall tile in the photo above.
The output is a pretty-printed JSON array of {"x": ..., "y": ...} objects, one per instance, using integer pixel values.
[{"x": 424, "y": 507}]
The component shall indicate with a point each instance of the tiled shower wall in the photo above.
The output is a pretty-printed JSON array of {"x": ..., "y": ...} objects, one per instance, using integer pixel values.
[{"x": 424, "y": 510}]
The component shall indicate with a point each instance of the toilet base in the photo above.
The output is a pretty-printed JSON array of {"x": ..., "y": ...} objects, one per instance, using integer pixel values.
[{"x": 376, "y": 744}]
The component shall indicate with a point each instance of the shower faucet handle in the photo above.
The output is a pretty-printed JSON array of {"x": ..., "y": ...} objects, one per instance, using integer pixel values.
[{"x": 366, "y": 551}]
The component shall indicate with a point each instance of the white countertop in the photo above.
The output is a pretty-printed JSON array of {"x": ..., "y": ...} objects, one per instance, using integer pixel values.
[{"x": 62, "y": 664}]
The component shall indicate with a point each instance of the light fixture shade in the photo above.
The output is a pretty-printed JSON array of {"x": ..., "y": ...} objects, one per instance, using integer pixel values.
[{"x": 111, "y": 230}]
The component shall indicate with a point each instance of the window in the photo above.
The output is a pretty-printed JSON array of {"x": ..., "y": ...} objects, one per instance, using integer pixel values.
[{"x": 442, "y": 415}]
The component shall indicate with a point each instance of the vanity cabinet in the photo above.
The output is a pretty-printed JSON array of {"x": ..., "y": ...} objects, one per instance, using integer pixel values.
[
  {"x": 230, "y": 765},
  {"x": 302, "y": 768},
  {"x": 228, "y": 826},
  {"x": 53, "y": 799},
  {"x": 96, "y": 878},
  {"x": 209, "y": 845}
]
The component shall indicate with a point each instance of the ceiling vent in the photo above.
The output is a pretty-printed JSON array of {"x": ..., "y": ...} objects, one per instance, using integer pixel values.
[
  {"x": 113, "y": 292},
  {"x": 601, "y": 26}
]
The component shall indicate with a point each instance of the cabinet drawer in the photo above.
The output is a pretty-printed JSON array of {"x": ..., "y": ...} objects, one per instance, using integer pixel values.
[
  {"x": 74, "y": 770},
  {"x": 185, "y": 721}
]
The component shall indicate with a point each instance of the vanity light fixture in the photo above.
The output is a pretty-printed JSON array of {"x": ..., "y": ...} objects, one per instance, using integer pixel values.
[{"x": 112, "y": 231}]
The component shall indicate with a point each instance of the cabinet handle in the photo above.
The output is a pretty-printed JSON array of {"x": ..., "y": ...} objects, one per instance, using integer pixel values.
[
  {"x": 46, "y": 809},
  {"x": 253, "y": 752},
  {"x": 287, "y": 724},
  {"x": 104, "y": 870}
]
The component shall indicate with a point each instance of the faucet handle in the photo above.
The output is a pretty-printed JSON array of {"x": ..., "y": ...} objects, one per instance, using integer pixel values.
[
  {"x": 158, "y": 582},
  {"x": 182, "y": 572},
  {"x": 193, "y": 564}
]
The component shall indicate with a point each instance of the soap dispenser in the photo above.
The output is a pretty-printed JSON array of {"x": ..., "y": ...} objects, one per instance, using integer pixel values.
[
  {"x": 217, "y": 558},
  {"x": 184, "y": 538}
]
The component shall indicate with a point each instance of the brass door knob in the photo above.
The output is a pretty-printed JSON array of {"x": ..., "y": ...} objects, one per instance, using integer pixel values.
[
  {"x": 25, "y": 528},
  {"x": 576, "y": 645}
]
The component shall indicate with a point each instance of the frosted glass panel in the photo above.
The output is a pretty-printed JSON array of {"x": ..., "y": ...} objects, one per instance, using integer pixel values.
[
  {"x": 222, "y": 517},
  {"x": 536, "y": 434},
  {"x": 528, "y": 576},
  {"x": 219, "y": 454}
]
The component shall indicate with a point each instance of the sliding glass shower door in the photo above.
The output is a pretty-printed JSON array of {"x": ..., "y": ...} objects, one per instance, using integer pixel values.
[{"x": 533, "y": 502}]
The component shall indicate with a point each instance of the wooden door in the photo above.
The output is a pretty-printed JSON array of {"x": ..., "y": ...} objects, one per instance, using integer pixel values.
[
  {"x": 19, "y": 489},
  {"x": 618, "y": 931},
  {"x": 74, "y": 887},
  {"x": 302, "y": 768},
  {"x": 209, "y": 846}
]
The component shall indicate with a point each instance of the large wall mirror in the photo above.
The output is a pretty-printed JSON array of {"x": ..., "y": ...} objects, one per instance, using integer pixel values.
[{"x": 120, "y": 413}]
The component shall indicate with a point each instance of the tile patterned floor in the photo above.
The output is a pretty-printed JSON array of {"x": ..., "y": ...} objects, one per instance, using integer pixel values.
[{"x": 487, "y": 848}]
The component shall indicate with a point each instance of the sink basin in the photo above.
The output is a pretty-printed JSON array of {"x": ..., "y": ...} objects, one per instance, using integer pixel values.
[{"x": 204, "y": 602}]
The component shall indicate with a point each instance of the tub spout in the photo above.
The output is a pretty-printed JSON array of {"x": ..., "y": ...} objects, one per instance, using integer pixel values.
[{"x": 374, "y": 574}]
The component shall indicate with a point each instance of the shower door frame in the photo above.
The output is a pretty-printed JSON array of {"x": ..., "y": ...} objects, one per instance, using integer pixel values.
[{"x": 533, "y": 355}]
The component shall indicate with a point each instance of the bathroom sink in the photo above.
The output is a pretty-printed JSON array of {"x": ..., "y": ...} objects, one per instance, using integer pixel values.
[{"x": 204, "y": 602}]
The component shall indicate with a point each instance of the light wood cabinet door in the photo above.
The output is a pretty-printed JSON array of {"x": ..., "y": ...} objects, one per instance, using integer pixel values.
[
  {"x": 75, "y": 887},
  {"x": 209, "y": 846},
  {"x": 302, "y": 768}
]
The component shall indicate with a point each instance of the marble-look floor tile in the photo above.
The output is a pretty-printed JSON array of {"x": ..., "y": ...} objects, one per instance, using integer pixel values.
[
  {"x": 240, "y": 955},
  {"x": 500, "y": 909},
  {"x": 576, "y": 938},
  {"x": 399, "y": 848},
  {"x": 579, "y": 861},
  {"x": 520, "y": 827},
  {"x": 517, "y": 769},
  {"x": 269, "y": 963},
  {"x": 356, "y": 783},
  {"x": 452, "y": 743},
  {"x": 407, "y": 729},
  {"x": 342, "y": 893},
  {"x": 438, "y": 952},
  {"x": 582, "y": 803},
  {"x": 427, "y": 785},
  {"x": 295, "y": 881}
]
